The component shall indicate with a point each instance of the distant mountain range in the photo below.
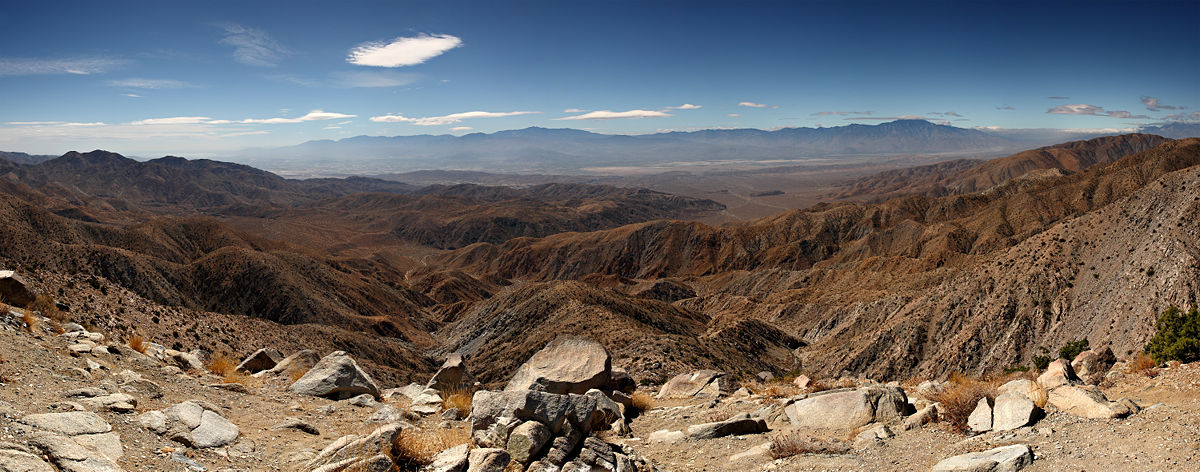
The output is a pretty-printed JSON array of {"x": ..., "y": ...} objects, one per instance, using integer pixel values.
[{"x": 542, "y": 150}]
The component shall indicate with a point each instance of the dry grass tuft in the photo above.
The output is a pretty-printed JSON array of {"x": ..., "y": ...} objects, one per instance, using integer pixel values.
[
  {"x": 791, "y": 444},
  {"x": 226, "y": 367},
  {"x": 961, "y": 397},
  {"x": 30, "y": 320},
  {"x": 642, "y": 401},
  {"x": 413, "y": 448},
  {"x": 138, "y": 343},
  {"x": 1143, "y": 364},
  {"x": 295, "y": 374},
  {"x": 458, "y": 397}
]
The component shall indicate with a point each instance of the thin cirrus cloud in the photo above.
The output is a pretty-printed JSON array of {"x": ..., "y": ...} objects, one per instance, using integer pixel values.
[
  {"x": 685, "y": 106},
  {"x": 253, "y": 47},
  {"x": 1093, "y": 110},
  {"x": 76, "y": 66},
  {"x": 52, "y": 123},
  {"x": 1153, "y": 104},
  {"x": 402, "y": 51},
  {"x": 841, "y": 113},
  {"x": 149, "y": 83},
  {"x": 574, "y": 110},
  {"x": 176, "y": 120},
  {"x": 445, "y": 119},
  {"x": 315, "y": 115},
  {"x": 886, "y": 118},
  {"x": 752, "y": 105},
  {"x": 608, "y": 115}
]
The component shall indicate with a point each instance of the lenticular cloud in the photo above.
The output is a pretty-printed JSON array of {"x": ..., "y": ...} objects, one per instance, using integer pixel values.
[{"x": 402, "y": 51}]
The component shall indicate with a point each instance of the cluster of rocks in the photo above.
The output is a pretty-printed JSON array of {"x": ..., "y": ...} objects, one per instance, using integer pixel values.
[{"x": 544, "y": 418}]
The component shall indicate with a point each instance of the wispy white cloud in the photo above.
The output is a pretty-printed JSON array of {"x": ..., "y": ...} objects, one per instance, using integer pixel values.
[
  {"x": 608, "y": 115},
  {"x": 1153, "y": 104},
  {"x": 574, "y": 110},
  {"x": 174, "y": 120},
  {"x": 131, "y": 95},
  {"x": 1093, "y": 110},
  {"x": 841, "y": 113},
  {"x": 1189, "y": 117},
  {"x": 253, "y": 47},
  {"x": 445, "y": 119},
  {"x": 734, "y": 115},
  {"x": 53, "y": 123},
  {"x": 752, "y": 105},
  {"x": 945, "y": 113},
  {"x": 402, "y": 51},
  {"x": 315, "y": 115},
  {"x": 685, "y": 106},
  {"x": 461, "y": 128},
  {"x": 374, "y": 79},
  {"x": 244, "y": 133},
  {"x": 149, "y": 83},
  {"x": 77, "y": 66}
]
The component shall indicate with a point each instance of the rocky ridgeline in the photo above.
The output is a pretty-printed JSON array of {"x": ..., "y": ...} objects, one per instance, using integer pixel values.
[{"x": 565, "y": 409}]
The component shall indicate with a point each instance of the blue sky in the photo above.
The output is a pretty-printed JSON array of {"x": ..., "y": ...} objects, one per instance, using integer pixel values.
[{"x": 202, "y": 78}]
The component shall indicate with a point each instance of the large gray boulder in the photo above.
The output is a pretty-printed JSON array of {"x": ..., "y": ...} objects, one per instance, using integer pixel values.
[
  {"x": 73, "y": 441},
  {"x": 348, "y": 450},
  {"x": 301, "y": 360},
  {"x": 553, "y": 410},
  {"x": 71, "y": 423},
  {"x": 1087, "y": 401},
  {"x": 1013, "y": 410},
  {"x": 487, "y": 460},
  {"x": 736, "y": 425},
  {"x": 260, "y": 360},
  {"x": 844, "y": 409},
  {"x": 1028, "y": 388},
  {"x": 336, "y": 376},
  {"x": 21, "y": 461},
  {"x": 527, "y": 440},
  {"x": 1057, "y": 374},
  {"x": 453, "y": 375},
  {"x": 980, "y": 420},
  {"x": 192, "y": 424},
  {"x": 566, "y": 365},
  {"x": 13, "y": 289},
  {"x": 702, "y": 383},
  {"x": 1092, "y": 365},
  {"x": 1001, "y": 459}
]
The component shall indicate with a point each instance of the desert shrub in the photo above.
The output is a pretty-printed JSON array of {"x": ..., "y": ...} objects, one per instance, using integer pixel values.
[
  {"x": 642, "y": 401},
  {"x": 44, "y": 304},
  {"x": 1177, "y": 337},
  {"x": 412, "y": 448},
  {"x": 295, "y": 374},
  {"x": 226, "y": 367},
  {"x": 458, "y": 397},
  {"x": 960, "y": 398},
  {"x": 791, "y": 444},
  {"x": 1072, "y": 349},
  {"x": 1016, "y": 368},
  {"x": 138, "y": 343},
  {"x": 1143, "y": 364},
  {"x": 1041, "y": 362},
  {"x": 30, "y": 320}
]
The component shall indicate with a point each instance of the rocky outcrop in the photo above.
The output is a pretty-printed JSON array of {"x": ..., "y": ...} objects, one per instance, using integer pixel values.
[
  {"x": 336, "y": 376},
  {"x": 707, "y": 383},
  {"x": 79, "y": 441},
  {"x": 1013, "y": 410},
  {"x": 736, "y": 425},
  {"x": 1028, "y": 388},
  {"x": 1092, "y": 365},
  {"x": 1087, "y": 401},
  {"x": 260, "y": 360},
  {"x": 565, "y": 365},
  {"x": 452, "y": 376},
  {"x": 191, "y": 423},
  {"x": 1058, "y": 373},
  {"x": 980, "y": 420},
  {"x": 1001, "y": 459},
  {"x": 13, "y": 290},
  {"x": 844, "y": 409}
]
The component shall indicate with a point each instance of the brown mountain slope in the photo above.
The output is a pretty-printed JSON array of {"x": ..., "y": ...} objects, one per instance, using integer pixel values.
[
  {"x": 969, "y": 176},
  {"x": 974, "y": 282}
]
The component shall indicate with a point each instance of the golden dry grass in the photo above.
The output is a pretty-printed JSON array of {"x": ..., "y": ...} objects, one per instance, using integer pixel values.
[
  {"x": 642, "y": 401},
  {"x": 791, "y": 444},
  {"x": 1142, "y": 364},
  {"x": 138, "y": 343},
  {"x": 961, "y": 397},
  {"x": 295, "y": 374},
  {"x": 413, "y": 448},
  {"x": 30, "y": 320},
  {"x": 458, "y": 397},
  {"x": 226, "y": 367}
]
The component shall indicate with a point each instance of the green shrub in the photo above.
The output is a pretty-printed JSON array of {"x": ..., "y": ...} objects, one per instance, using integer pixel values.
[
  {"x": 1016, "y": 368},
  {"x": 1041, "y": 361},
  {"x": 1072, "y": 349},
  {"x": 1177, "y": 338}
]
